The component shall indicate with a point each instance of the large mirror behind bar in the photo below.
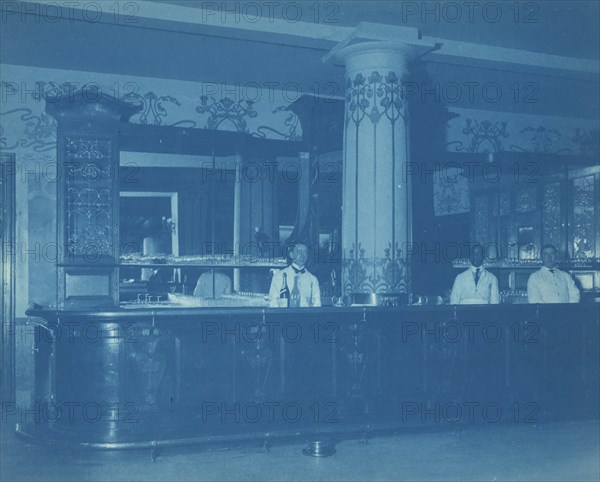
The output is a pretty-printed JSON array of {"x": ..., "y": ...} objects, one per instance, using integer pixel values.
[
  {"x": 170, "y": 205},
  {"x": 194, "y": 230},
  {"x": 148, "y": 222}
]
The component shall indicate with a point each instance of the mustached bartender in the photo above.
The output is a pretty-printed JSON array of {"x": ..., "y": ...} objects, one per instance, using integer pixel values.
[{"x": 294, "y": 286}]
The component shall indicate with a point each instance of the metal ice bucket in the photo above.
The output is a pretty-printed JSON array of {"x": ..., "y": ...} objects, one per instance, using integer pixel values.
[{"x": 377, "y": 299}]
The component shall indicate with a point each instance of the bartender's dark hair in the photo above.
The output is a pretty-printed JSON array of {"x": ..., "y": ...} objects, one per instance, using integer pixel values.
[
  {"x": 291, "y": 245},
  {"x": 549, "y": 246}
]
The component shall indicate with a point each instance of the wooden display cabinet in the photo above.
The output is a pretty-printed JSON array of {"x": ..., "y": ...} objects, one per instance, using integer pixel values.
[{"x": 88, "y": 197}]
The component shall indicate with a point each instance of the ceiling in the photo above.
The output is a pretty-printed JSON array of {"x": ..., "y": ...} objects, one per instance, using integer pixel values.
[
  {"x": 560, "y": 27},
  {"x": 190, "y": 51}
]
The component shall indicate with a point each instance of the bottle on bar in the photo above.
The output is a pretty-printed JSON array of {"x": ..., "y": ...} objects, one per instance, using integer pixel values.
[
  {"x": 284, "y": 293},
  {"x": 295, "y": 295}
]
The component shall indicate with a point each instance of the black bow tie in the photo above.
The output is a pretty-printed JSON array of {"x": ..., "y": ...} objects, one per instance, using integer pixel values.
[{"x": 298, "y": 271}]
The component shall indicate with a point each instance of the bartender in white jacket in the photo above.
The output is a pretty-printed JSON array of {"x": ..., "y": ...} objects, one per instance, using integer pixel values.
[
  {"x": 296, "y": 274},
  {"x": 476, "y": 285},
  {"x": 549, "y": 284}
]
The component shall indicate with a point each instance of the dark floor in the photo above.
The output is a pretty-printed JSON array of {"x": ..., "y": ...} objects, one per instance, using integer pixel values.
[{"x": 558, "y": 451}]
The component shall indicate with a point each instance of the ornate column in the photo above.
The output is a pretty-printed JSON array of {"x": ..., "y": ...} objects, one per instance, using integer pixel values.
[{"x": 376, "y": 220}]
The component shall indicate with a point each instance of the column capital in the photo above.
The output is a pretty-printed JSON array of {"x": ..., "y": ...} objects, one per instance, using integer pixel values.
[{"x": 375, "y": 55}]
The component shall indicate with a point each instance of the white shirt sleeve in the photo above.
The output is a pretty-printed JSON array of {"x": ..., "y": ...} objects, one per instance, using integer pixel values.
[
  {"x": 276, "y": 283},
  {"x": 316, "y": 292},
  {"x": 574, "y": 294},
  {"x": 494, "y": 292},
  {"x": 534, "y": 294},
  {"x": 455, "y": 294}
]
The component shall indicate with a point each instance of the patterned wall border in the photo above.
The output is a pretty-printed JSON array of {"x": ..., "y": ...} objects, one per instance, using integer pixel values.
[
  {"x": 32, "y": 129},
  {"x": 488, "y": 136},
  {"x": 29, "y": 128}
]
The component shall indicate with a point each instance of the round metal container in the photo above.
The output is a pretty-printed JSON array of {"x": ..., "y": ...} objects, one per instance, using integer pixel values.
[
  {"x": 378, "y": 299},
  {"x": 319, "y": 448}
]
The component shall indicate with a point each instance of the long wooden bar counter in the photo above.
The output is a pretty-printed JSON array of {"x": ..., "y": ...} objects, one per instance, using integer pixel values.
[{"x": 132, "y": 378}]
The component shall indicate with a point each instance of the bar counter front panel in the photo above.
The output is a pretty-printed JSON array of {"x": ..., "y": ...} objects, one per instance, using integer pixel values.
[{"x": 136, "y": 378}]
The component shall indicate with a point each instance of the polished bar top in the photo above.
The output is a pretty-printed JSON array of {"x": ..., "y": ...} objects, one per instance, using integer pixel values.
[{"x": 590, "y": 309}]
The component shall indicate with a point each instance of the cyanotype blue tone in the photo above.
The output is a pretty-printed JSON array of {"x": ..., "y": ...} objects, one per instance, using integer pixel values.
[{"x": 300, "y": 240}]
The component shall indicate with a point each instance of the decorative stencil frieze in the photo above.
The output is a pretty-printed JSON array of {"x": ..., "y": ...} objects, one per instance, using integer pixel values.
[
  {"x": 291, "y": 123},
  {"x": 484, "y": 136},
  {"x": 24, "y": 124},
  {"x": 36, "y": 132},
  {"x": 153, "y": 109},
  {"x": 226, "y": 111},
  {"x": 489, "y": 135},
  {"x": 541, "y": 139}
]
